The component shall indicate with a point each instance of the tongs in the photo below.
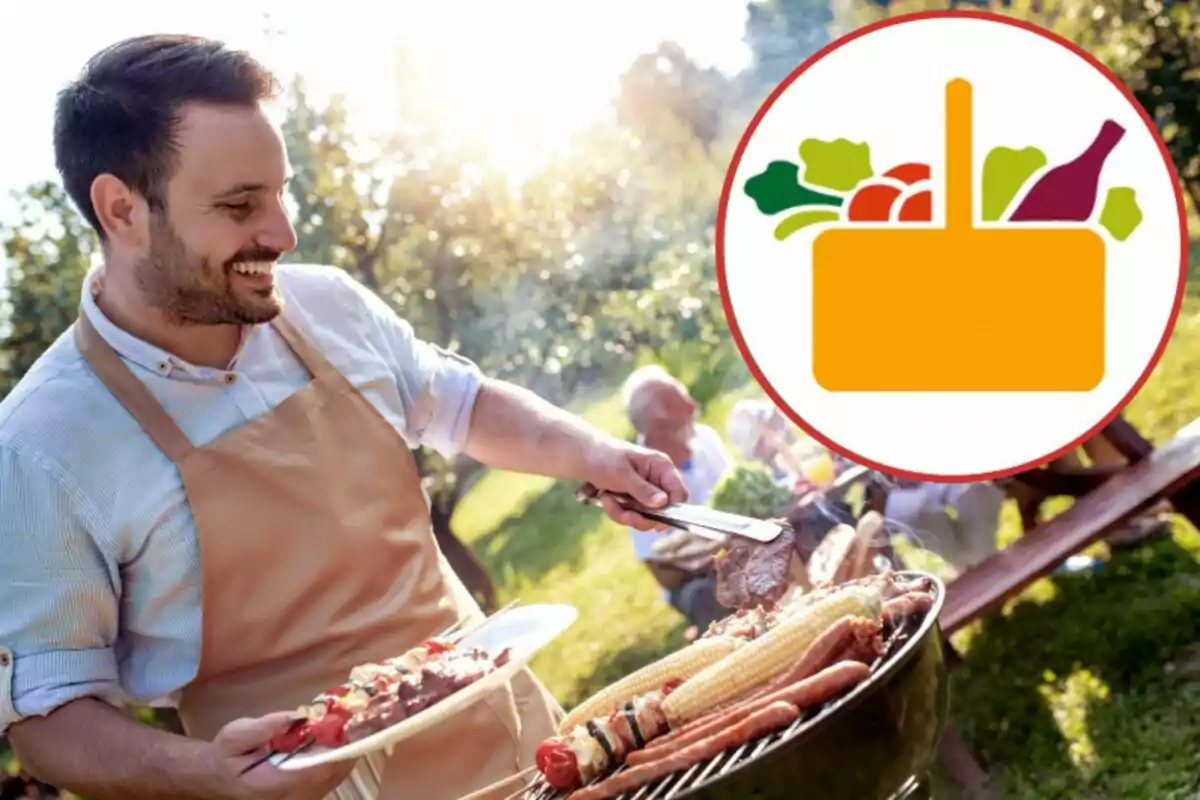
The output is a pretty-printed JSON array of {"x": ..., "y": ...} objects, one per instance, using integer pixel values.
[{"x": 700, "y": 520}]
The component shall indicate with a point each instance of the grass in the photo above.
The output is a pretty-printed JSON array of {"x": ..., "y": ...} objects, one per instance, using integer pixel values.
[{"x": 1088, "y": 686}]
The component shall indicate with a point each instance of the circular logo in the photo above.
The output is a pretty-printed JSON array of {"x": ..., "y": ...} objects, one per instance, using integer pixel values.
[{"x": 951, "y": 246}]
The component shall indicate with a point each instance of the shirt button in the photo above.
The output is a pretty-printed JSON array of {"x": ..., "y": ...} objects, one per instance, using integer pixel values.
[
  {"x": 163, "y": 366},
  {"x": 230, "y": 377},
  {"x": 3, "y": 659}
]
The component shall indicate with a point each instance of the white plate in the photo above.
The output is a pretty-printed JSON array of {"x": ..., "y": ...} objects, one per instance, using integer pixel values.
[{"x": 526, "y": 629}]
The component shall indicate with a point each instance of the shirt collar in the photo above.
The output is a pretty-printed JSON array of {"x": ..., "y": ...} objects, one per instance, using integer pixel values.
[{"x": 134, "y": 349}]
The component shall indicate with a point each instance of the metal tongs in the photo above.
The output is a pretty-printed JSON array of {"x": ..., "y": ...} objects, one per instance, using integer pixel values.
[{"x": 700, "y": 520}]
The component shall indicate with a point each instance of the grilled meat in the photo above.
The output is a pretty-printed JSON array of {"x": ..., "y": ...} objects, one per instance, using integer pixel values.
[{"x": 751, "y": 573}]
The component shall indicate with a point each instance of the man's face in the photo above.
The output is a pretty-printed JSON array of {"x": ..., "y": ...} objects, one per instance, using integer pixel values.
[
  {"x": 672, "y": 413},
  {"x": 212, "y": 252}
]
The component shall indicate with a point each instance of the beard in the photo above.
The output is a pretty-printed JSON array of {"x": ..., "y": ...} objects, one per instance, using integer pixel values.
[{"x": 189, "y": 289}]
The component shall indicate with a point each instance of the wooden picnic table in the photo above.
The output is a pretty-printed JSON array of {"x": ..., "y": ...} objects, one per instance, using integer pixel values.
[{"x": 1105, "y": 498}]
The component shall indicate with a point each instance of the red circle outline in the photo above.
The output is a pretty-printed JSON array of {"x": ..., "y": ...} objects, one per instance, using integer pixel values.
[{"x": 727, "y": 191}]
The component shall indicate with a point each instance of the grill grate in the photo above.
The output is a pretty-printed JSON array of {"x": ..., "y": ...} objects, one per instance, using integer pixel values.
[{"x": 678, "y": 784}]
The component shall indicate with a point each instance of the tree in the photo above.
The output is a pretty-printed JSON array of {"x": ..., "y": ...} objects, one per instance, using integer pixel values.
[
  {"x": 781, "y": 34},
  {"x": 1154, "y": 45},
  {"x": 670, "y": 102},
  {"x": 49, "y": 250}
]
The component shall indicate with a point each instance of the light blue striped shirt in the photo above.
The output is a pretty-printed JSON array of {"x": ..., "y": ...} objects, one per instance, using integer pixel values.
[{"x": 99, "y": 563}]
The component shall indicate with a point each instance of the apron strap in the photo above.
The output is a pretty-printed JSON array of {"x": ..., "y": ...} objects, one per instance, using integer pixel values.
[
  {"x": 132, "y": 393},
  {"x": 309, "y": 354},
  {"x": 324, "y": 372}
]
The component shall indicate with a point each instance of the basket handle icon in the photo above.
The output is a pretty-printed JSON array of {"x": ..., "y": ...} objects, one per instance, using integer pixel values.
[
  {"x": 960, "y": 213},
  {"x": 948, "y": 292}
]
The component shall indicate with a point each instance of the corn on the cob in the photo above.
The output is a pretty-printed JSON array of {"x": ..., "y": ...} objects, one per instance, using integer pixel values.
[
  {"x": 762, "y": 659},
  {"x": 682, "y": 665}
]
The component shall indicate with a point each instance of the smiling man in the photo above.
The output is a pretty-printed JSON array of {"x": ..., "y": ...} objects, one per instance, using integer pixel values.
[{"x": 208, "y": 492}]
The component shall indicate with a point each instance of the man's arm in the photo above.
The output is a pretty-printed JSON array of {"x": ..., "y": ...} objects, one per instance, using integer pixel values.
[
  {"x": 514, "y": 429},
  {"x": 97, "y": 751},
  {"x": 452, "y": 408},
  {"x": 90, "y": 748},
  {"x": 58, "y": 623},
  {"x": 58, "y": 680}
]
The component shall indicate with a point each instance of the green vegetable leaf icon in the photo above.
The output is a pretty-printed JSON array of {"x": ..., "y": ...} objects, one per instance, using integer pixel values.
[
  {"x": 1121, "y": 215},
  {"x": 839, "y": 165},
  {"x": 1005, "y": 171},
  {"x": 778, "y": 188},
  {"x": 802, "y": 219}
]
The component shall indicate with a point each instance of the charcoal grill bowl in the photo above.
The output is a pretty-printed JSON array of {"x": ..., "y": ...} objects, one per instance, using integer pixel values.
[{"x": 868, "y": 745}]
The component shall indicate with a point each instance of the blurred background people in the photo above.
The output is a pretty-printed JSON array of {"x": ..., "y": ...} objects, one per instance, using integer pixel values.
[
  {"x": 956, "y": 521},
  {"x": 761, "y": 433}
]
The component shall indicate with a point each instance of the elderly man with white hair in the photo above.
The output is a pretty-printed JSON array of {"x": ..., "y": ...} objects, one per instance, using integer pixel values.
[{"x": 664, "y": 415}]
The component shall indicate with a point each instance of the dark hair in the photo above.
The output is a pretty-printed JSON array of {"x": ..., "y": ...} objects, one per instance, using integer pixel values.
[{"x": 121, "y": 115}]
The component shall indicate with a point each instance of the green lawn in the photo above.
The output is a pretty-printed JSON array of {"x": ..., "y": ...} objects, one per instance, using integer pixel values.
[{"x": 1087, "y": 687}]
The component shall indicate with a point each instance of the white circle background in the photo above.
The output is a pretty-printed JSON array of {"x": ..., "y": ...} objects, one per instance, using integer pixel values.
[{"x": 888, "y": 88}]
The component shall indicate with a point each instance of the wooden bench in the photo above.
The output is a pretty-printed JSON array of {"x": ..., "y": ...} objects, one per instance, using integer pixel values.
[{"x": 1168, "y": 472}]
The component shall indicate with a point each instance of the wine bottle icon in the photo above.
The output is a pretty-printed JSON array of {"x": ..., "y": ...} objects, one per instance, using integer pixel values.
[{"x": 1068, "y": 192}]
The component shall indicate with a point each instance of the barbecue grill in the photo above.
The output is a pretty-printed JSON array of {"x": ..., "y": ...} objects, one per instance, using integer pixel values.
[{"x": 873, "y": 743}]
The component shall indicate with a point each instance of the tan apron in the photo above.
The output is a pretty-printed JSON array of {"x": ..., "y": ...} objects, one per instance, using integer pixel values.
[{"x": 318, "y": 555}]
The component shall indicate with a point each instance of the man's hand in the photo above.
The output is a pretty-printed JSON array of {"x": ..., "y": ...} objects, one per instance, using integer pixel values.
[
  {"x": 95, "y": 750},
  {"x": 646, "y": 475},
  {"x": 243, "y": 741}
]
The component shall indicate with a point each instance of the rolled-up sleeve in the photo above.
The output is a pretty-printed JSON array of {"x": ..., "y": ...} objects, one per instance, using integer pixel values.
[
  {"x": 58, "y": 605},
  {"x": 438, "y": 387}
]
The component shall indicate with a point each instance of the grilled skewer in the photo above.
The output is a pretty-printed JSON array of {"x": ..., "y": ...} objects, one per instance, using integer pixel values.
[
  {"x": 461, "y": 627},
  {"x": 258, "y": 762}
]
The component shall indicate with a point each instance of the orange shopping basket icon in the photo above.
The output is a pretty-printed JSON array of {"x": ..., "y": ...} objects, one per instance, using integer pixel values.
[{"x": 959, "y": 308}]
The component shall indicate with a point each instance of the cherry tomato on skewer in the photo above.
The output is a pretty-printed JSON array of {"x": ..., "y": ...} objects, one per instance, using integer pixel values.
[{"x": 557, "y": 763}]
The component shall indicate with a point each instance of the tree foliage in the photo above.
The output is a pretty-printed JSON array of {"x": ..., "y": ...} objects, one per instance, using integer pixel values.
[
  {"x": 781, "y": 34},
  {"x": 1154, "y": 45},
  {"x": 49, "y": 249}
]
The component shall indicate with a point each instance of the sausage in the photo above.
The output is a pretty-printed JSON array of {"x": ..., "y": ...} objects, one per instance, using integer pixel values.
[
  {"x": 825, "y": 650},
  {"x": 906, "y": 605},
  {"x": 811, "y": 691},
  {"x": 820, "y": 654},
  {"x": 765, "y": 720},
  {"x": 866, "y": 644},
  {"x": 720, "y": 711},
  {"x": 864, "y": 651}
]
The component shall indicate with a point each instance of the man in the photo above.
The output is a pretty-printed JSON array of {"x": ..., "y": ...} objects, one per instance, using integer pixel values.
[
  {"x": 663, "y": 413},
  {"x": 209, "y": 495}
]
